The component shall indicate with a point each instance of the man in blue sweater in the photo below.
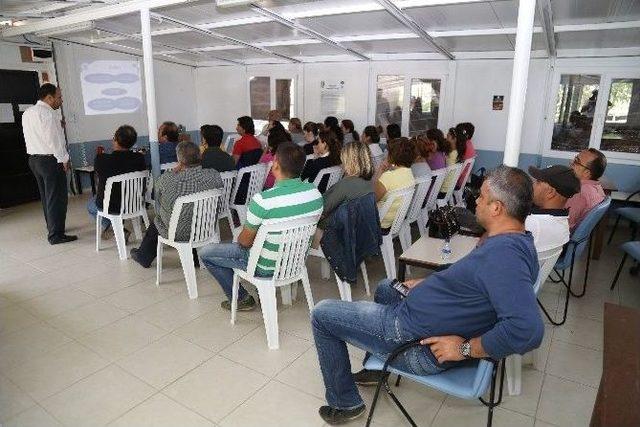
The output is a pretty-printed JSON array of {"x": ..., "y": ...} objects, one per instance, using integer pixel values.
[{"x": 481, "y": 306}]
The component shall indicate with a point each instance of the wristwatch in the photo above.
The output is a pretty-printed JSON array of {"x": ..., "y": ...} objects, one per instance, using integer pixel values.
[{"x": 465, "y": 349}]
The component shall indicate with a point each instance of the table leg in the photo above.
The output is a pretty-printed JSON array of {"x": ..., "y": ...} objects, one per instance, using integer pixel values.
[
  {"x": 598, "y": 237},
  {"x": 78, "y": 181},
  {"x": 92, "y": 175},
  {"x": 402, "y": 270}
]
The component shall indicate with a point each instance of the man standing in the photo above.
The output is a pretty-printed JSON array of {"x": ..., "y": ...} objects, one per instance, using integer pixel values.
[
  {"x": 49, "y": 159},
  {"x": 588, "y": 165}
]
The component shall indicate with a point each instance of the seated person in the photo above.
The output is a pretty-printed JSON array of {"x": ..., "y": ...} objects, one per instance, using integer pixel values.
[
  {"x": 423, "y": 148},
  {"x": 469, "y": 129},
  {"x": 213, "y": 157},
  {"x": 121, "y": 160},
  {"x": 464, "y": 148},
  {"x": 277, "y": 135},
  {"x": 393, "y": 174},
  {"x": 588, "y": 165},
  {"x": 549, "y": 219},
  {"x": 245, "y": 148},
  {"x": 295, "y": 130},
  {"x": 371, "y": 137},
  {"x": 272, "y": 116},
  {"x": 289, "y": 198},
  {"x": 310, "y": 131},
  {"x": 186, "y": 178},
  {"x": 482, "y": 306},
  {"x": 393, "y": 131},
  {"x": 455, "y": 140},
  {"x": 348, "y": 129},
  {"x": 327, "y": 154},
  {"x": 168, "y": 137},
  {"x": 331, "y": 123},
  {"x": 440, "y": 149}
]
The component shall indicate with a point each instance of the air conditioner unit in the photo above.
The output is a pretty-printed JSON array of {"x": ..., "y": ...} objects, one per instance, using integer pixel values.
[{"x": 231, "y": 3}]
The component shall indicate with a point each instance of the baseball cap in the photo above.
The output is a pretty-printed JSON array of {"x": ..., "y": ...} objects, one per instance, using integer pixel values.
[{"x": 560, "y": 177}]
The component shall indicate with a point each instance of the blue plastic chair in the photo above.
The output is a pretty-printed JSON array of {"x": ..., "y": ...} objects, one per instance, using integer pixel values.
[
  {"x": 629, "y": 213},
  {"x": 469, "y": 381},
  {"x": 580, "y": 239},
  {"x": 630, "y": 249}
]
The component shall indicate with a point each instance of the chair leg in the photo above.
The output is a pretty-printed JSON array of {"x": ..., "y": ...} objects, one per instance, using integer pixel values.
[
  {"x": 159, "y": 253},
  {"x": 118, "y": 231},
  {"x": 586, "y": 271},
  {"x": 564, "y": 315},
  {"x": 382, "y": 379},
  {"x": 137, "y": 228},
  {"x": 145, "y": 218},
  {"x": 365, "y": 278},
  {"x": 270, "y": 314},
  {"x": 186, "y": 259},
  {"x": 234, "y": 298},
  {"x": 492, "y": 403},
  {"x": 285, "y": 294},
  {"x": 615, "y": 279},
  {"x": 398, "y": 404},
  {"x": 98, "y": 232},
  {"x": 422, "y": 225},
  {"x": 388, "y": 257},
  {"x": 325, "y": 269},
  {"x": 613, "y": 230},
  {"x": 344, "y": 288},
  {"x": 514, "y": 374},
  {"x": 306, "y": 285}
]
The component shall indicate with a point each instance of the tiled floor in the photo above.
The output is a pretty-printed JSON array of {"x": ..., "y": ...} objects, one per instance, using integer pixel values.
[{"x": 88, "y": 340}]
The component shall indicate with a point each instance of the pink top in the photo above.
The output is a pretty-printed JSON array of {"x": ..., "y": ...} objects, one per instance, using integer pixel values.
[
  {"x": 591, "y": 193},
  {"x": 470, "y": 151},
  {"x": 266, "y": 158}
]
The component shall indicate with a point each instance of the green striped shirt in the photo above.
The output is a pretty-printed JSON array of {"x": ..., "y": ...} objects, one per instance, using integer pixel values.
[{"x": 290, "y": 198}]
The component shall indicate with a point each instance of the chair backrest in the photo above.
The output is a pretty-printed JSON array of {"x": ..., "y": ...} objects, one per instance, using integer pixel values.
[
  {"x": 294, "y": 236},
  {"x": 546, "y": 260},
  {"x": 256, "y": 174},
  {"x": 405, "y": 195},
  {"x": 203, "y": 217},
  {"x": 267, "y": 170},
  {"x": 167, "y": 166},
  {"x": 454, "y": 171},
  {"x": 228, "y": 179},
  {"x": 437, "y": 179},
  {"x": 423, "y": 183},
  {"x": 377, "y": 159},
  {"x": 465, "y": 172},
  {"x": 132, "y": 191},
  {"x": 334, "y": 174},
  {"x": 228, "y": 144}
]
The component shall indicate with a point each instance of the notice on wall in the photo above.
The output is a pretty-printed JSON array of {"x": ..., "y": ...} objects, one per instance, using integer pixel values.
[
  {"x": 6, "y": 113},
  {"x": 23, "y": 107},
  {"x": 110, "y": 87},
  {"x": 498, "y": 102},
  {"x": 332, "y": 98}
]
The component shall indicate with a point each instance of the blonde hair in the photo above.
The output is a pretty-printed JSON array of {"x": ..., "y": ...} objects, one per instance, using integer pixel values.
[{"x": 356, "y": 160}]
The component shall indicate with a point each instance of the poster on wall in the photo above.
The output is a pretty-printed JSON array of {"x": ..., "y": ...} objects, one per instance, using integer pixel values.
[
  {"x": 332, "y": 98},
  {"x": 498, "y": 102},
  {"x": 110, "y": 87}
]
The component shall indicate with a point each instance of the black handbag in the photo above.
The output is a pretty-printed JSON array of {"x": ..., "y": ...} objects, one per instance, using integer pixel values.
[{"x": 443, "y": 223}]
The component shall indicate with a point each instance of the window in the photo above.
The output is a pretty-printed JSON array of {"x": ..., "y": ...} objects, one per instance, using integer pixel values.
[
  {"x": 266, "y": 94},
  {"x": 621, "y": 130},
  {"x": 260, "y": 95},
  {"x": 574, "y": 112},
  {"x": 425, "y": 103},
  {"x": 389, "y": 100},
  {"x": 284, "y": 97}
]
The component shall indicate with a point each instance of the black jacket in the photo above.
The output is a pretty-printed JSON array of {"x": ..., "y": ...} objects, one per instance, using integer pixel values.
[{"x": 352, "y": 234}]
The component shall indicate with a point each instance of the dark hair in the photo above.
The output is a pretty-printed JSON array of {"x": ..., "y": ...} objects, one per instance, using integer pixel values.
[
  {"x": 348, "y": 125},
  {"x": 469, "y": 128},
  {"x": 311, "y": 127},
  {"x": 514, "y": 188},
  {"x": 46, "y": 90},
  {"x": 188, "y": 153},
  {"x": 420, "y": 143},
  {"x": 212, "y": 134},
  {"x": 331, "y": 123},
  {"x": 169, "y": 123},
  {"x": 461, "y": 141},
  {"x": 291, "y": 159},
  {"x": 597, "y": 165},
  {"x": 393, "y": 131},
  {"x": 171, "y": 134},
  {"x": 329, "y": 138},
  {"x": 296, "y": 123},
  {"x": 372, "y": 133},
  {"x": 277, "y": 135},
  {"x": 402, "y": 152},
  {"x": 126, "y": 136},
  {"x": 246, "y": 123},
  {"x": 441, "y": 142}
]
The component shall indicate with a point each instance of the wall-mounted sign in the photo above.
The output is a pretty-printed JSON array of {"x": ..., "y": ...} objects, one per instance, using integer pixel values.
[
  {"x": 332, "y": 99},
  {"x": 498, "y": 102}
]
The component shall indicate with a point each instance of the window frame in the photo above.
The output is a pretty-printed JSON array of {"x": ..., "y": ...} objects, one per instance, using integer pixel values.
[{"x": 296, "y": 109}]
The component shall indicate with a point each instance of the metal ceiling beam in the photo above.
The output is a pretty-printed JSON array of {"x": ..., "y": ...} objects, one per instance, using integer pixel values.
[
  {"x": 408, "y": 22},
  {"x": 168, "y": 46},
  {"x": 301, "y": 28},
  {"x": 546, "y": 18},
  {"x": 218, "y": 36}
]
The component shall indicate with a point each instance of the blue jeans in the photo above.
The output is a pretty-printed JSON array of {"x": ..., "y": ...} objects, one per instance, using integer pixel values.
[
  {"x": 371, "y": 326},
  {"x": 220, "y": 259},
  {"x": 92, "y": 208}
]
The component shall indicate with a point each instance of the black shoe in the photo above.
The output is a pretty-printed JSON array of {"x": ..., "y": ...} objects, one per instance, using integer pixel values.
[
  {"x": 247, "y": 304},
  {"x": 367, "y": 378},
  {"x": 334, "y": 416},
  {"x": 65, "y": 238},
  {"x": 136, "y": 257}
]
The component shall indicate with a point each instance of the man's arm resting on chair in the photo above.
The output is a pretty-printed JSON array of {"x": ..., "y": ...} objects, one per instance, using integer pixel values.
[
  {"x": 447, "y": 348},
  {"x": 246, "y": 237}
]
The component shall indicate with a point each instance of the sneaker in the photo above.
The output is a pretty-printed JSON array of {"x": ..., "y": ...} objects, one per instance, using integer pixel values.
[
  {"x": 334, "y": 416},
  {"x": 247, "y": 304},
  {"x": 366, "y": 377},
  {"x": 135, "y": 255}
]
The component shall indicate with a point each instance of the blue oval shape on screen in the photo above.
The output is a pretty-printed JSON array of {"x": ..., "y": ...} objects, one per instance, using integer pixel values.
[
  {"x": 114, "y": 91},
  {"x": 101, "y": 104},
  {"x": 100, "y": 78},
  {"x": 127, "y": 103},
  {"x": 126, "y": 78}
]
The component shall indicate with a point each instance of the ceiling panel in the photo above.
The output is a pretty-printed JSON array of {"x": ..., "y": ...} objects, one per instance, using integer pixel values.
[
  {"x": 455, "y": 17},
  {"x": 189, "y": 40},
  {"x": 131, "y": 23},
  {"x": 351, "y": 24},
  {"x": 306, "y": 50},
  {"x": 599, "y": 39},
  {"x": 205, "y": 12},
  {"x": 260, "y": 32},
  {"x": 537, "y": 43},
  {"x": 476, "y": 43},
  {"x": 390, "y": 46}
]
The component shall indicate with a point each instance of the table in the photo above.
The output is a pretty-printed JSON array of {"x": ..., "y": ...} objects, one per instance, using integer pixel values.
[
  {"x": 619, "y": 391},
  {"x": 426, "y": 253},
  {"x": 92, "y": 175},
  {"x": 598, "y": 236}
]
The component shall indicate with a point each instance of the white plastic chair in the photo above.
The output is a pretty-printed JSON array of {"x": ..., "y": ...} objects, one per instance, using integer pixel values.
[
  {"x": 454, "y": 170},
  {"x": 229, "y": 142},
  {"x": 513, "y": 363},
  {"x": 344, "y": 288},
  {"x": 203, "y": 232},
  {"x": 132, "y": 206},
  {"x": 423, "y": 184},
  {"x": 334, "y": 173},
  {"x": 388, "y": 255},
  {"x": 467, "y": 168},
  {"x": 437, "y": 179},
  {"x": 294, "y": 240},
  {"x": 256, "y": 174},
  {"x": 228, "y": 180}
]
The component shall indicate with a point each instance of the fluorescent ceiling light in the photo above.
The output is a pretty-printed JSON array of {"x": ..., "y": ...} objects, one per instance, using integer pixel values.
[{"x": 85, "y": 26}]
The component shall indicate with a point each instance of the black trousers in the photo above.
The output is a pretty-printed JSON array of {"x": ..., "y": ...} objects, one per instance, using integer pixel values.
[
  {"x": 148, "y": 249},
  {"x": 52, "y": 184}
]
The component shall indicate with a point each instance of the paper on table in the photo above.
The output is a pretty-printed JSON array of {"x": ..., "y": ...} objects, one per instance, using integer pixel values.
[{"x": 6, "y": 113}]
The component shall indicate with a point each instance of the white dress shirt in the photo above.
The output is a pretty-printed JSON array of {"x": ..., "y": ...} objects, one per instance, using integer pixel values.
[
  {"x": 43, "y": 132},
  {"x": 550, "y": 230}
]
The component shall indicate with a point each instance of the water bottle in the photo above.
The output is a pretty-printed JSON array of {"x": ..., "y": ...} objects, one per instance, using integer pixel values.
[{"x": 445, "y": 252}]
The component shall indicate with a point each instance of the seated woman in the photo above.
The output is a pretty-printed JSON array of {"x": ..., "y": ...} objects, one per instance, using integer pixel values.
[
  {"x": 465, "y": 148},
  {"x": 277, "y": 135},
  {"x": 423, "y": 148},
  {"x": 327, "y": 154},
  {"x": 348, "y": 129},
  {"x": 453, "y": 138},
  {"x": 440, "y": 149},
  {"x": 295, "y": 130},
  {"x": 310, "y": 131},
  {"x": 371, "y": 137},
  {"x": 331, "y": 123},
  {"x": 393, "y": 174}
]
